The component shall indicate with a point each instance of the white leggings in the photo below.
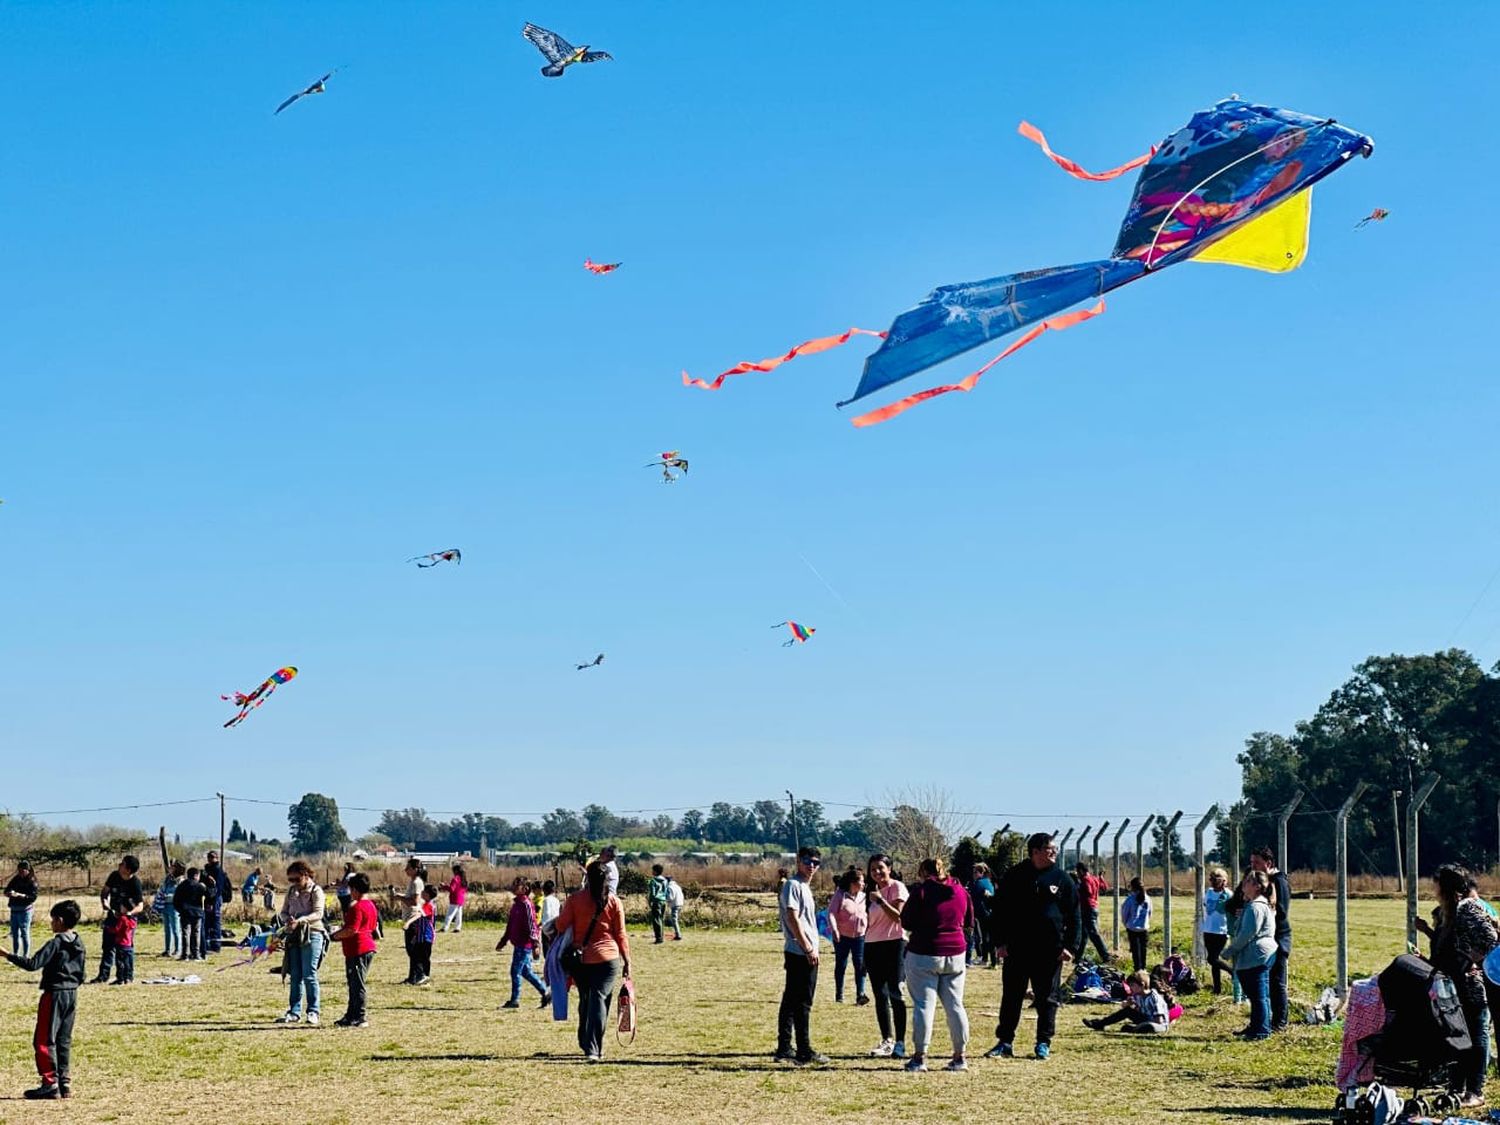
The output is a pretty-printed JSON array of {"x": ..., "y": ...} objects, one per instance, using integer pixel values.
[{"x": 455, "y": 919}]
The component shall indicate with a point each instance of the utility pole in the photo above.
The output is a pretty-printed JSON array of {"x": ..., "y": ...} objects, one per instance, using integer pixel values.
[
  {"x": 792, "y": 807},
  {"x": 221, "y": 826},
  {"x": 1396, "y": 827}
]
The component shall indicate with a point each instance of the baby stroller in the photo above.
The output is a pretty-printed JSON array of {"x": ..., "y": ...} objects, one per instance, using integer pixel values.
[{"x": 1420, "y": 1044}]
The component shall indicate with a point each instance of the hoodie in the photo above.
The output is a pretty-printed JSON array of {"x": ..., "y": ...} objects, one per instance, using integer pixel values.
[{"x": 61, "y": 962}]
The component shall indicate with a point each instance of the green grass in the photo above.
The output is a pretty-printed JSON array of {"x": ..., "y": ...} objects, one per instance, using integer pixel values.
[{"x": 148, "y": 1054}]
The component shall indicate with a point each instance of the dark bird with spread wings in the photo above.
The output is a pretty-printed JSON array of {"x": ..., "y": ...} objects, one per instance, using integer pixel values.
[
  {"x": 560, "y": 54},
  {"x": 318, "y": 87},
  {"x": 594, "y": 663}
]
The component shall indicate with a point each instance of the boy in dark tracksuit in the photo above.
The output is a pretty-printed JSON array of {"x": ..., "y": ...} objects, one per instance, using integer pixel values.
[{"x": 61, "y": 963}]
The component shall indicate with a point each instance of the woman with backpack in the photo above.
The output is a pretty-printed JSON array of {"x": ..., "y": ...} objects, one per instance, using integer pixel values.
[
  {"x": 1253, "y": 948},
  {"x": 599, "y": 954},
  {"x": 1461, "y": 941}
]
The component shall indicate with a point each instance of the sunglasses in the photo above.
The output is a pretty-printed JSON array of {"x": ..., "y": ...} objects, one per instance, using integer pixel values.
[{"x": 813, "y": 862}]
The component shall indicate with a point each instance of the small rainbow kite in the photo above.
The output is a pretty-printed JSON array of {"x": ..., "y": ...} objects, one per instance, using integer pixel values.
[
  {"x": 601, "y": 267},
  {"x": 800, "y": 633},
  {"x": 248, "y": 703}
]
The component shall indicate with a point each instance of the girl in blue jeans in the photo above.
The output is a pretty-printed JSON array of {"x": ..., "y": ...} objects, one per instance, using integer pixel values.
[
  {"x": 848, "y": 912},
  {"x": 524, "y": 936},
  {"x": 1253, "y": 948}
]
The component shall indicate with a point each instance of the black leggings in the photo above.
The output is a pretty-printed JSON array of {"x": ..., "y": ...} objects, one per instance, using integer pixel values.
[
  {"x": 1213, "y": 945},
  {"x": 1139, "y": 941},
  {"x": 883, "y": 963}
]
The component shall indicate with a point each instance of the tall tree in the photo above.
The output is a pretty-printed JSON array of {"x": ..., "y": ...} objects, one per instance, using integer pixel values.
[
  {"x": 314, "y": 824},
  {"x": 405, "y": 827},
  {"x": 690, "y": 827},
  {"x": 236, "y": 833},
  {"x": 561, "y": 825},
  {"x": 662, "y": 826},
  {"x": 599, "y": 823},
  {"x": 770, "y": 821}
]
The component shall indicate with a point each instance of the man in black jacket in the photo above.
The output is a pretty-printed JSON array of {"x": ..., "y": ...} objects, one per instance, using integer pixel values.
[
  {"x": 1264, "y": 859},
  {"x": 220, "y": 891},
  {"x": 1037, "y": 930}
]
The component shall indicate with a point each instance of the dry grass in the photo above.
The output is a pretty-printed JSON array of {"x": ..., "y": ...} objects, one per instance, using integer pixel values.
[{"x": 148, "y": 1054}]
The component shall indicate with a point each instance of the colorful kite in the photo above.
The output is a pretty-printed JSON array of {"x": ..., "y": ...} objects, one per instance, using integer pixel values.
[
  {"x": 594, "y": 663},
  {"x": 318, "y": 87},
  {"x": 1231, "y": 186},
  {"x": 452, "y": 554},
  {"x": 800, "y": 633},
  {"x": 560, "y": 54},
  {"x": 248, "y": 703},
  {"x": 1376, "y": 216},
  {"x": 257, "y": 946},
  {"x": 601, "y": 267},
  {"x": 669, "y": 461}
]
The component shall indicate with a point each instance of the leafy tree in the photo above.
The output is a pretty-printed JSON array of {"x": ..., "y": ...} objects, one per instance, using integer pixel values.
[
  {"x": 662, "y": 826},
  {"x": 314, "y": 824},
  {"x": 770, "y": 820},
  {"x": 812, "y": 825},
  {"x": 599, "y": 823},
  {"x": 236, "y": 833},
  {"x": 690, "y": 827},
  {"x": 728, "y": 823},
  {"x": 966, "y": 853},
  {"x": 406, "y": 826},
  {"x": 1006, "y": 850},
  {"x": 561, "y": 825}
]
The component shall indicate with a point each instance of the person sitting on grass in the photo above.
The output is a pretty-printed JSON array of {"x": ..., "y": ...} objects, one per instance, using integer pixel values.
[
  {"x": 61, "y": 963},
  {"x": 524, "y": 936},
  {"x": 1145, "y": 1012},
  {"x": 357, "y": 937}
]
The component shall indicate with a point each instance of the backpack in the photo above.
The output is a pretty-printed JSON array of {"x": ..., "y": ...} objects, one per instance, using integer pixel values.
[
  {"x": 1184, "y": 981},
  {"x": 658, "y": 891},
  {"x": 825, "y": 926}
]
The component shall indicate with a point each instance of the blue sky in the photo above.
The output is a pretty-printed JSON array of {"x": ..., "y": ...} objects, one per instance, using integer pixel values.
[{"x": 252, "y": 363}]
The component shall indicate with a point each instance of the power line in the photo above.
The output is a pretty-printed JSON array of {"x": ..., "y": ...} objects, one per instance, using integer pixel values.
[{"x": 112, "y": 808}]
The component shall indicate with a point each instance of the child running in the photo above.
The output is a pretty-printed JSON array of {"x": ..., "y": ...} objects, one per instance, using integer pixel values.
[
  {"x": 523, "y": 934},
  {"x": 357, "y": 936},
  {"x": 61, "y": 963},
  {"x": 1146, "y": 1012}
]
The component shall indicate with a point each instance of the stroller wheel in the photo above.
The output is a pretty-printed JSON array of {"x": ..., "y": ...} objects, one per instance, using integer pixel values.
[{"x": 1447, "y": 1102}]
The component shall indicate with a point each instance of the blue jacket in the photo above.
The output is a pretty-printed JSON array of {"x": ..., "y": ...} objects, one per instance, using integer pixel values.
[{"x": 1136, "y": 912}]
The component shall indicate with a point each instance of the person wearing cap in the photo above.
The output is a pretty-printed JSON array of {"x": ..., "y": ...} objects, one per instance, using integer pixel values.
[{"x": 1037, "y": 930}]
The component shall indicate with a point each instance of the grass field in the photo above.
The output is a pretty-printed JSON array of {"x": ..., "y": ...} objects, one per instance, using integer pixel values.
[{"x": 146, "y": 1054}]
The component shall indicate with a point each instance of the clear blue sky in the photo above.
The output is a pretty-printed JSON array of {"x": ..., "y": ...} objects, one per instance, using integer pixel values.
[{"x": 250, "y": 364}]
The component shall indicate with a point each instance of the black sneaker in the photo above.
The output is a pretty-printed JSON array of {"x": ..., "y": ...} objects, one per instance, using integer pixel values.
[
  {"x": 64, "y": 1089},
  {"x": 784, "y": 1055},
  {"x": 813, "y": 1059},
  {"x": 511, "y": 1004},
  {"x": 546, "y": 1000},
  {"x": 41, "y": 1093}
]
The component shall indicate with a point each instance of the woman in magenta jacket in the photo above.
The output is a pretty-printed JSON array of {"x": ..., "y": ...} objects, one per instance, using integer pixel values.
[{"x": 937, "y": 915}]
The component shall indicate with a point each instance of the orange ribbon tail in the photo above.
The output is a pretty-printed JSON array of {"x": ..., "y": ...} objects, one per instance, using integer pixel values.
[
  {"x": 900, "y": 406},
  {"x": 809, "y": 347},
  {"x": 1072, "y": 168}
]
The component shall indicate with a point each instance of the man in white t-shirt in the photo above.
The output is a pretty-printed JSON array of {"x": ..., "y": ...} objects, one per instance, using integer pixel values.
[
  {"x": 675, "y": 901},
  {"x": 799, "y": 926},
  {"x": 612, "y": 870}
]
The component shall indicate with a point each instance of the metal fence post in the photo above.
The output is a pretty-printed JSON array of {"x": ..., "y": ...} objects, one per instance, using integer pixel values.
[
  {"x": 1200, "y": 881},
  {"x": 1236, "y": 873},
  {"x": 1140, "y": 855},
  {"x": 1283, "y": 859},
  {"x": 1124, "y": 824},
  {"x": 1341, "y": 874},
  {"x": 1166, "y": 890},
  {"x": 1418, "y": 799},
  {"x": 1095, "y": 862},
  {"x": 1082, "y": 839}
]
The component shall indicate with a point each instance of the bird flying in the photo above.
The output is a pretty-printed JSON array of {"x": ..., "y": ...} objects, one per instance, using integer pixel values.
[
  {"x": 318, "y": 87},
  {"x": 594, "y": 663},
  {"x": 601, "y": 267},
  {"x": 669, "y": 461},
  {"x": 560, "y": 54}
]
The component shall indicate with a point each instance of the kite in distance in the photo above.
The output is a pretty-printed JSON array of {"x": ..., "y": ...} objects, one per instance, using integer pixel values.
[
  {"x": 248, "y": 703},
  {"x": 560, "y": 54},
  {"x": 669, "y": 461},
  {"x": 452, "y": 554},
  {"x": 1376, "y": 216},
  {"x": 318, "y": 87},
  {"x": 800, "y": 633},
  {"x": 601, "y": 267},
  {"x": 594, "y": 663}
]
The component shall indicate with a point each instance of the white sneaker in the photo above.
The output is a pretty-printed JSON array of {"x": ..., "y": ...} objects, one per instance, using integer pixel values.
[
  {"x": 312, "y": 1019},
  {"x": 899, "y": 1050},
  {"x": 884, "y": 1050},
  {"x": 957, "y": 1065},
  {"x": 287, "y": 1017},
  {"x": 915, "y": 1066}
]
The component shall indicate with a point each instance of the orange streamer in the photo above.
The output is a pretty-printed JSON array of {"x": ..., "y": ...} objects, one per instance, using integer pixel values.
[
  {"x": 1032, "y": 133},
  {"x": 1067, "y": 320},
  {"x": 809, "y": 347}
]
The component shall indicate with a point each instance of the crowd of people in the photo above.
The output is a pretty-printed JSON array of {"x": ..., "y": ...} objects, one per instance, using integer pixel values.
[{"x": 909, "y": 948}]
